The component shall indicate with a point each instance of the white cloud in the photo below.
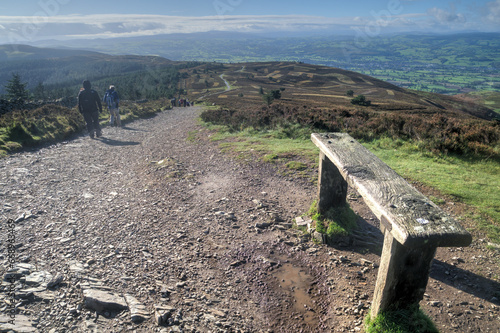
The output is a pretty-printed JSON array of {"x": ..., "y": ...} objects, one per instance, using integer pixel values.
[
  {"x": 107, "y": 25},
  {"x": 493, "y": 14},
  {"x": 31, "y": 28},
  {"x": 446, "y": 17}
]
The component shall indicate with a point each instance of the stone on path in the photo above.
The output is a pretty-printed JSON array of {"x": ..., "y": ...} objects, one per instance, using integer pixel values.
[
  {"x": 55, "y": 280},
  {"x": 41, "y": 278},
  {"x": 138, "y": 310},
  {"x": 103, "y": 301},
  {"x": 162, "y": 313}
]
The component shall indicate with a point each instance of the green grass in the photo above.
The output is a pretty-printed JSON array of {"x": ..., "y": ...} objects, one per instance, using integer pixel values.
[
  {"x": 401, "y": 321},
  {"x": 337, "y": 221},
  {"x": 280, "y": 145},
  {"x": 474, "y": 182}
]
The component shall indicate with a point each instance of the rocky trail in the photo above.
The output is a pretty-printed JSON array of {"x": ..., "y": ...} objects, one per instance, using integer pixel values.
[{"x": 149, "y": 230}]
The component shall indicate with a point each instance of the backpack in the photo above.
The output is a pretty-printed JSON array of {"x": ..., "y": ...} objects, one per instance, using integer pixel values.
[
  {"x": 109, "y": 99},
  {"x": 87, "y": 101}
]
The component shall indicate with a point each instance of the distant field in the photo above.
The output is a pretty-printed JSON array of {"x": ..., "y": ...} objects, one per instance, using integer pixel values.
[{"x": 448, "y": 64}]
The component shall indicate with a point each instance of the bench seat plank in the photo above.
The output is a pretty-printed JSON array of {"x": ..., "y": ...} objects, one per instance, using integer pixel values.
[{"x": 412, "y": 219}]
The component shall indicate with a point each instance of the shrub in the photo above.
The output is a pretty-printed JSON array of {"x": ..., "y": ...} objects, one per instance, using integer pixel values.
[{"x": 360, "y": 100}]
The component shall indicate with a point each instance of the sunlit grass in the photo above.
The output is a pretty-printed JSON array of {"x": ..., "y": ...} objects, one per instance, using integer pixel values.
[
  {"x": 401, "y": 321},
  {"x": 270, "y": 145},
  {"x": 475, "y": 182}
]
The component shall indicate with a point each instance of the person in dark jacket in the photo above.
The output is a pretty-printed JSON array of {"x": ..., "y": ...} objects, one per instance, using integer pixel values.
[{"x": 89, "y": 105}]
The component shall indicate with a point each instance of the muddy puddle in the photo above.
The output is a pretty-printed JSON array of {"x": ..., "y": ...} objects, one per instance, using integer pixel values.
[{"x": 295, "y": 281}]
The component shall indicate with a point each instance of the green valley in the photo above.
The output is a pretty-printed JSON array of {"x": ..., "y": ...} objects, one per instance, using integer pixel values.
[{"x": 447, "y": 64}]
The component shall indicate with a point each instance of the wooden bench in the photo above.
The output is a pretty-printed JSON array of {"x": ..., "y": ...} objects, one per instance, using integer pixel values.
[{"x": 413, "y": 226}]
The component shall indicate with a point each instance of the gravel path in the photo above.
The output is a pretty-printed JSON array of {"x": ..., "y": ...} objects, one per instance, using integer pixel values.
[{"x": 151, "y": 229}]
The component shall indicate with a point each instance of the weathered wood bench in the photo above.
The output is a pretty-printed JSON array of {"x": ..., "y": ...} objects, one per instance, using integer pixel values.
[{"x": 413, "y": 226}]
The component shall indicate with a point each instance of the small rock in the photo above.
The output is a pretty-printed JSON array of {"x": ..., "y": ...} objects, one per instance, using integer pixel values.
[
  {"x": 55, "y": 280},
  {"x": 218, "y": 313},
  {"x": 237, "y": 263},
  {"x": 319, "y": 237},
  {"x": 41, "y": 278},
  {"x": 20, "y": 218},
  {"x": 458, "y": 259},
  {"x": 162, "y": 314},
  {"x": 343, "y": 259},
  {"x": 103, "y": 301},
  {"x": 138, "y": 310},
  {"x": 68, "y": 233},
  {"x": 365, "y": 262},
  {"x": 263, "y": 225}
]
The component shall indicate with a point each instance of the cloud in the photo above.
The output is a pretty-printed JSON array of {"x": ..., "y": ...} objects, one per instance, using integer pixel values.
[
  {"x": 493, "y": 12},
  {"x": 25, "y": 29},
  {"x": 108, "y": 25},
  {"x": 446, "y": 17}
]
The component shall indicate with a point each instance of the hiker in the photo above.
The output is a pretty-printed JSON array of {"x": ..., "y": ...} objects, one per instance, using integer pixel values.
[
  {"x": 89, "y": 105},
  {"x": 111, "y": 99},
  {"x": 172, "y": 101}
]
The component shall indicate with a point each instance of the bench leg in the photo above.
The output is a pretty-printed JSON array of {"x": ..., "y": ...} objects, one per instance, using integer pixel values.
[
  {"x": 402, "y": 276},
  {"x": 332, "y": 187}
]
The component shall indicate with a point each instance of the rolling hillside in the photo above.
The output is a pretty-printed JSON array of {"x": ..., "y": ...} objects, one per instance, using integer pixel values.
[{"x": 312, "y": 86}]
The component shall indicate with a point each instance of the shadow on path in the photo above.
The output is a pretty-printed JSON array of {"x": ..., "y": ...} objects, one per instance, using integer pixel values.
[
  {"x": 112, "y": 142},
  {"x": 465, "y": 281},
  {"x": 368, "y": 237},
  {"x": 133, "y": 129}
]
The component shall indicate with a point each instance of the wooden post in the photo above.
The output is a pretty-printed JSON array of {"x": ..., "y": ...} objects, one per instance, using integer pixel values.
[
  {"x": 332, "y": 187},
  {"x": 402, "y": 276}
]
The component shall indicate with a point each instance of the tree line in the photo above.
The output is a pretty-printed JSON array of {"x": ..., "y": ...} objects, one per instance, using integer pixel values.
[{"x": 151, "y": 83}]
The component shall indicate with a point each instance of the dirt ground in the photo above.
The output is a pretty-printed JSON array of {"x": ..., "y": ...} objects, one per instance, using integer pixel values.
[{"x": 197, "y": 242}]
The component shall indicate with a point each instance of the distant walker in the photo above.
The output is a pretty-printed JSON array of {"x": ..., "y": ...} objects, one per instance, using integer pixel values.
[{"x": 112, "y": 100}]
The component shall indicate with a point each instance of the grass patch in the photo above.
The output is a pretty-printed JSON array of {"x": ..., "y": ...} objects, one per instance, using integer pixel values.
[
  {"x": 285, "y": 145},
  {"x": 469, "y": 180},
  {"x": 402, "y": 321},
  {"x": 192, "y": 136},
  {"x": 337, "y": 221},
  {"x": 294, "y": 165}
]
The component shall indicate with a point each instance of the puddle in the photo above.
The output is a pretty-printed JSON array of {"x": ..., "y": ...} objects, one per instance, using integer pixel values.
[{"x": 297, "y": 282}]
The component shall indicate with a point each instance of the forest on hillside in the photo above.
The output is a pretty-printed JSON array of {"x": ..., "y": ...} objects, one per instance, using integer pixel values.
[{"x": 48, "y": 77}]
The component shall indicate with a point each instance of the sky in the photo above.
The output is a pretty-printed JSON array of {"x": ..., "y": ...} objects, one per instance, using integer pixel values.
[{"x": 25, "y": 21}]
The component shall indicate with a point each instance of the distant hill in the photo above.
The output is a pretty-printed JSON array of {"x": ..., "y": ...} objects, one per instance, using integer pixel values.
[
  {"x": 16, "y": 52},
  {"x": 56, "y": 68},
  {"x": 450, "y": 64}
]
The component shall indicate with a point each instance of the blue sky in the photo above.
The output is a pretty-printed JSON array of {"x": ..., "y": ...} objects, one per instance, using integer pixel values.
[{"x": 32, "y": 20}]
